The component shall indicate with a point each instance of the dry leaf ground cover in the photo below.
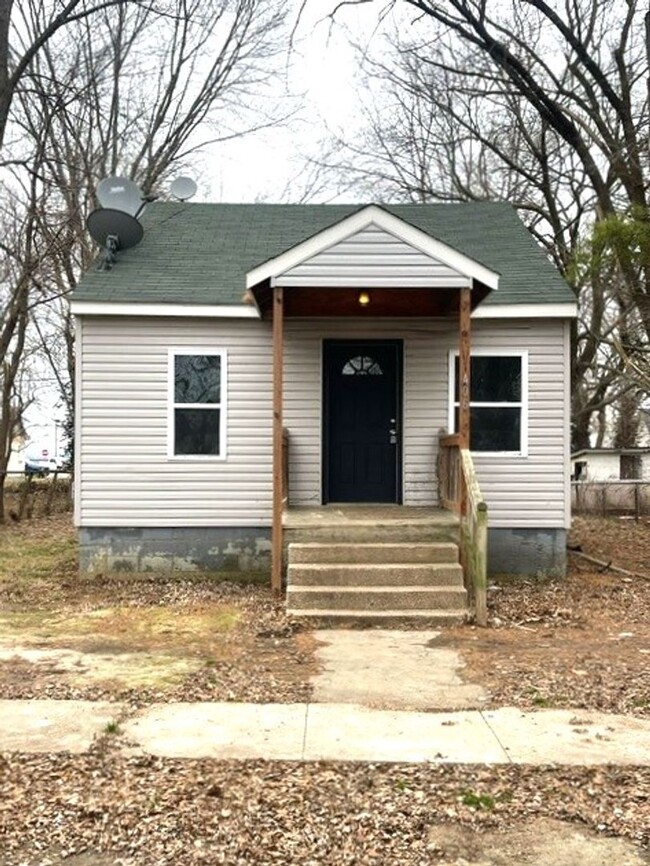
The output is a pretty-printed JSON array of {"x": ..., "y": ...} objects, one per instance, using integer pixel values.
[
  {"x": 137, "y": 638},
  {"x": 105, "y": 809},
  {"x": 108, "y": 809},
  {"x": 581, "y": 642}
]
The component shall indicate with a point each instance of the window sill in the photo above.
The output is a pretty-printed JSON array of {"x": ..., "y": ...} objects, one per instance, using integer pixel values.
[{"x": 202, "y": 458}]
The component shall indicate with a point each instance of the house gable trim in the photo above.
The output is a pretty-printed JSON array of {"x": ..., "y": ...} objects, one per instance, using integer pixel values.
[
  {"x": 375, "y": 216},
  {"x": 201, "y": 311}
]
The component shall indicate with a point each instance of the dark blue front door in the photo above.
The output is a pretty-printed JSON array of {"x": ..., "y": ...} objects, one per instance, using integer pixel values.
[{"x": 362, "y": 422}]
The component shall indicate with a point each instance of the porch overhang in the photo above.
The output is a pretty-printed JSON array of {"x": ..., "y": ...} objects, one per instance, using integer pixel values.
[
  {"x": 402, "y": 271},
  {"x": 336, "y": 301}
]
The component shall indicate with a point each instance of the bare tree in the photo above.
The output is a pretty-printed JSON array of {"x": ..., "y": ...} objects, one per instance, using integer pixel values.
[
  {"x": 546, "y": 109},
  {"x": 136, "y": 90}
]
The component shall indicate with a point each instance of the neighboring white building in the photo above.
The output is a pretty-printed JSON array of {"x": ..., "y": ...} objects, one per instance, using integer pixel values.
[
  {"x": 611, "y": 464},
  {"x": 17, "y": 456}
]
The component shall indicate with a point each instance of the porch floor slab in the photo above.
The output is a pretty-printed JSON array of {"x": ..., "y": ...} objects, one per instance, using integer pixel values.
[{"x": 304, "y": 517}]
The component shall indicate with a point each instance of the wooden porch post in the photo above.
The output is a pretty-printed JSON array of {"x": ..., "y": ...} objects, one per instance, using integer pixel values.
[
  {"x": 464, "y": 341},
  {"x": 278, "y": 347}
]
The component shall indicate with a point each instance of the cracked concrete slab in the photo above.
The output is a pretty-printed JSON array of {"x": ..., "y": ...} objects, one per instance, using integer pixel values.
[
  {"x": 53, "y": 726},
  {"x": 203, "y": 730},
  {"x": 342, "y": 732},
  {"x": 335, "y": 732},
  {"x": 391, "y": 669},
  {"x": 570, "y": 737}
]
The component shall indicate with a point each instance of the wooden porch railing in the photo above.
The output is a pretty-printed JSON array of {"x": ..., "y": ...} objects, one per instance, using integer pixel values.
[
  {"x": 285, "y": 466},
  {"x": 460, "y": 492}
]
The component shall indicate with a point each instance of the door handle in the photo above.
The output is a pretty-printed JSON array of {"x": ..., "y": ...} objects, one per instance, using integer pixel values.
[{"x": 392, "y": 434}]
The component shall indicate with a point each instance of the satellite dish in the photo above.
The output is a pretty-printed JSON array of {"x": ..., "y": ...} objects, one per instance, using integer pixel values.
[
  {"x": 114, "y": 230},
  {"x": 120, "y": 194},
  {"x": 183, "y": 188}
]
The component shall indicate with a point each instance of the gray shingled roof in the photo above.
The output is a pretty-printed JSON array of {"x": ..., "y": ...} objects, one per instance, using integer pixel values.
[{"x": 200, "y": 253}]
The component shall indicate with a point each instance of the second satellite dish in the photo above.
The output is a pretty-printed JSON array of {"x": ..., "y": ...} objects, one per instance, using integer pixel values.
[
  {"x": 120, "y": 194},
  {"x": 183, "y": 188}
]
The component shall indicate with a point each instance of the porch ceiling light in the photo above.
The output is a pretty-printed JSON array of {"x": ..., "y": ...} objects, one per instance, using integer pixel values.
[{"x": 364, "y": 299}]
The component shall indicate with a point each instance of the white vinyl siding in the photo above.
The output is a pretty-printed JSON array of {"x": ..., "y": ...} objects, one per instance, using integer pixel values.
[
  {"x": 126, "y": 477},
  {"x": 372, "y": 258},
  {"x": 530, "y": 491}
]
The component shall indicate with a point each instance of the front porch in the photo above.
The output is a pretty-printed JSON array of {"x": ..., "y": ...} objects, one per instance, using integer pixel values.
[
  {"x": 409, "y": 521},
  {"x": 371, "y": 325}
]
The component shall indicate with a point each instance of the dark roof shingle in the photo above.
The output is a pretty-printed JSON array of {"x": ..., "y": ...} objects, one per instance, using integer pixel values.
[{"x": 200, "y": 253}]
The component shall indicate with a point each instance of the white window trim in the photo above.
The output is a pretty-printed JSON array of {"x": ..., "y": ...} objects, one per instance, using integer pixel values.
[
  {"x": 523, "y": 403},
  {"x": 223, "y": 405}
]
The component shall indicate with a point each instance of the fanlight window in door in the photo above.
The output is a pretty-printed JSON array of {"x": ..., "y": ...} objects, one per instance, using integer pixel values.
[{"x": 362, "y": 365}]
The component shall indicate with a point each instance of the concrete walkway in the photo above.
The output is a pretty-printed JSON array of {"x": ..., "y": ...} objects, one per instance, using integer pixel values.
[
  {"x": 390, "y": 669},
  {"x": 335, "y": 732}
]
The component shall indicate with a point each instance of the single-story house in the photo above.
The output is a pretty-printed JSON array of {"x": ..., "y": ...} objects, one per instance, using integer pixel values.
[
  {"x": 246, "y": 365},
  {"x": 611, "y": 464}
]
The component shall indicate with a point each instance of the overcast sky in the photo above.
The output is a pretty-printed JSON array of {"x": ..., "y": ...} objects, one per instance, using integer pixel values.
[{"x": 321, "y": 82}]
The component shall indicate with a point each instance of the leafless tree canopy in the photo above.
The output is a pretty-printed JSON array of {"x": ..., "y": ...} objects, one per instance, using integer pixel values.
[
  {"x": 90, "y": 89},
  {"x": 544, "y": 105}
]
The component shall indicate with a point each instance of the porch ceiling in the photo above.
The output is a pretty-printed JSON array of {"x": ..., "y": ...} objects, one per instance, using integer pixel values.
[{"x": 323, "y": 302}]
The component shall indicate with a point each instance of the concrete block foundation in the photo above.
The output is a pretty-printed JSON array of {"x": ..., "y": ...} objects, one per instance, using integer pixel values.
[
  {"x": 174, "y": 549},
  {"x": 529, "y": 552}
]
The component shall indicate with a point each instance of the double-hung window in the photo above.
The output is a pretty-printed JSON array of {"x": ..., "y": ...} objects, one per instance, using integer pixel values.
[
  {"x": 498, "y": 401},
  {"x": 197, "y": 410}
]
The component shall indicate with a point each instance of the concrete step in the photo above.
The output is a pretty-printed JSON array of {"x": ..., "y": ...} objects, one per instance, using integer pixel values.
[
  {"x": 373, "y": 598},
  {"x": 372, "y": 574},
  {"x": 373, "y": 532},
  {"x": 379, "y": 552},
  {"x": 330, "y": 618}
]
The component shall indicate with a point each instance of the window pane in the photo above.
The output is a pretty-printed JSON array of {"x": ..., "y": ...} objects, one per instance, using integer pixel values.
[
  {"x": 197, "y": 379},
  {"x": 196, "y": 431},
  {"x": 362, "y": 366},
  {"x": 494, "y": 379},
  {"x": 494, "y": 429}
]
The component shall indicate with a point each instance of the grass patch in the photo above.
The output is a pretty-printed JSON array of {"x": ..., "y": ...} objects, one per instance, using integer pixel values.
[
  {"x": 112, "y": 728},
  {"x": 23, "y": 560},
  {"x": 478, "y": 801},
  {"x": 124, "y": 629}
]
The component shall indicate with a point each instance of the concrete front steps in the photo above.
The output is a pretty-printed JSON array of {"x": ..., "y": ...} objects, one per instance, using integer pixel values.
[{"x": 376, "y": 583}]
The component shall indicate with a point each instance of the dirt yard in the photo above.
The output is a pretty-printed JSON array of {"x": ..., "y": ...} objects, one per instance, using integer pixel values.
[
  {"x": 137, "y": 639},
  {"x": 583, "y": 642},
  {"x": 107, "y": 810}
]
